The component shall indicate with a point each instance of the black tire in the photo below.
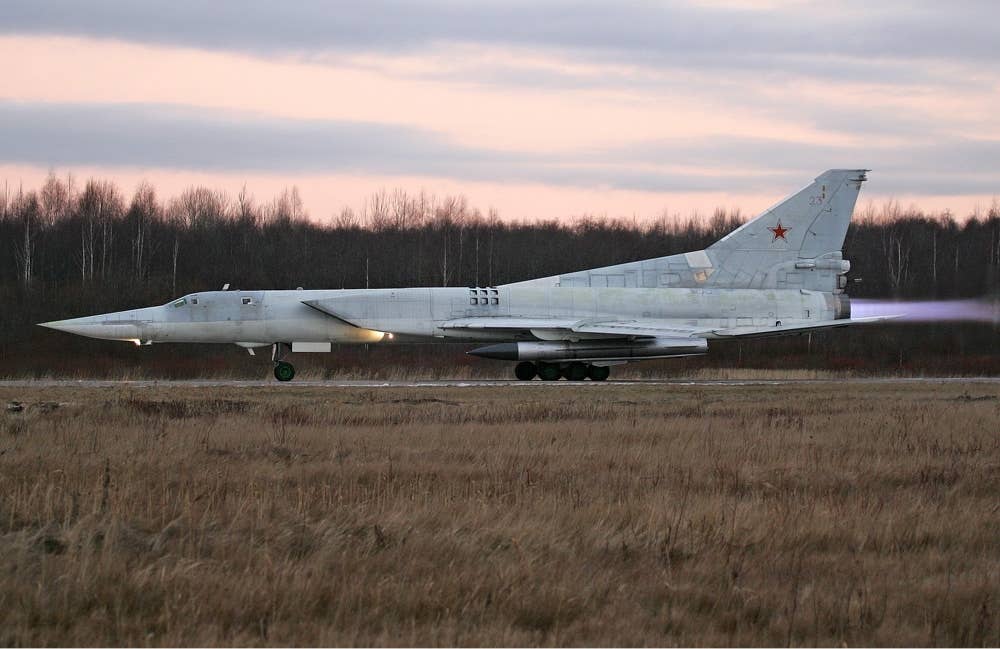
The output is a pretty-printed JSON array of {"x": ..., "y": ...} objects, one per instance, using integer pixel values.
[
  {"x": 598, "y": 373},
  {"x": 284, "y": 371},
  {"x": 548, "y": 372},
  {"x": 525, "y": 371},
  {"x": 575, "y": 371}
]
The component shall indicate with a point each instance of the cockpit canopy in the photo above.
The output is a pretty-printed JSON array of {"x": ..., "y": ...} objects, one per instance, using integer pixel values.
[{"x": 187, "y": 299}]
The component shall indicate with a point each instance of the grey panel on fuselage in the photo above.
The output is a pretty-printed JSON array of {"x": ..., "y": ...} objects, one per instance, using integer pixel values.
[
  {"x": 247, "y": 316},
  {"x": 211, "y": 316}
]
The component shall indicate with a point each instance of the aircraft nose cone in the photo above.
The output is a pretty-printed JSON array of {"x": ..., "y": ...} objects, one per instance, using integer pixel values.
[
  {"x": 107, "y": 327},
  {"x": 79, "y": 326}
]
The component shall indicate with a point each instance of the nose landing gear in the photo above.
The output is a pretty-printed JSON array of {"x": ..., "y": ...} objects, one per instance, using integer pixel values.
[{"x": 283, "y": 370}]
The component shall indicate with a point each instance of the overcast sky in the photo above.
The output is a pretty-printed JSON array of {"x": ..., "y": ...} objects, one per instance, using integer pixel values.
[{"x": 540, "y": 110}]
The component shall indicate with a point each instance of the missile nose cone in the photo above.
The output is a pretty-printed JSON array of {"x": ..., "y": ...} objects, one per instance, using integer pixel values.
[{"x": 501, "y": 351}]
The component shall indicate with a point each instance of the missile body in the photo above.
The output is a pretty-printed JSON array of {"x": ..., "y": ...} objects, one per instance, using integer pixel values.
[{"x": 560, "y": 350}]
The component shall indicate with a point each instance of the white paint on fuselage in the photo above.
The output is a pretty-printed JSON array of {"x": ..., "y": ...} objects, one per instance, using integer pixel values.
[{"x": 365, "y": 315}]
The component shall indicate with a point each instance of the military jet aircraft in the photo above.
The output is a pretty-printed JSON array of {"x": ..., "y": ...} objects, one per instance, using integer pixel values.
[{"x": 780, "y": 273}]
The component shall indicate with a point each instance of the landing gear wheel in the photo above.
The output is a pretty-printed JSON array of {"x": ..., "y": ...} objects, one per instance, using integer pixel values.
[
  {"x": 525, "y": 371},
  {"x": 284, "y": 371},
  {"x": 575, "y": 371},
  {"x": 598, "y": 373},
  {"x": 548, "y": 372}
]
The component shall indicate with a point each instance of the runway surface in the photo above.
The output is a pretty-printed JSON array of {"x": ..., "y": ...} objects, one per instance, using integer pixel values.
[{"x": 469, "y": 383}]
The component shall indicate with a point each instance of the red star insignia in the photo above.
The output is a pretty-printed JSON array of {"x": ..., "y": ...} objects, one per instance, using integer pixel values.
[{"x": 779, "y": 232}]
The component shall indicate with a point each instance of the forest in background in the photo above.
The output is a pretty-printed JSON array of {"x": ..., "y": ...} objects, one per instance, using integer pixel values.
[{"x": 73, "y": 248}]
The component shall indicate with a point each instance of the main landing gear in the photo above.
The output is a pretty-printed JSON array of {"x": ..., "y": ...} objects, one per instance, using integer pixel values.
[
  {"x": 283, "y": 370},
  {"x": 575, "y": 371}
]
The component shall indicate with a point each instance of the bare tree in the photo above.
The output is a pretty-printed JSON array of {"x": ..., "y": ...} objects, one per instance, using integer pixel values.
[
  {"x": 895, "y": 246},
  {"x": 100, "y": 208},
  {"x": 287, "y": 207},
  {"x": 245, "y": 209},
  {"x": 377, "y": 212},
  {"x": 26, "y": 210},
  {"x": 346, "y": 220},
  {"x": 142, "y": 213},
  {"x": 55, "y": 198},
  {"x": 201, "y": 207},
  {"x": 4, "y": 202}
]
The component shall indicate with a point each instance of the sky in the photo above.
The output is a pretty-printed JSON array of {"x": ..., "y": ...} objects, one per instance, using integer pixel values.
[{"x": 537, "y": 109}]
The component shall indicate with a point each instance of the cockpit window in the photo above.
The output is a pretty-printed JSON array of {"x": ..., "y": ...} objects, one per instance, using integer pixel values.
[{"x": 181, "y": 302}]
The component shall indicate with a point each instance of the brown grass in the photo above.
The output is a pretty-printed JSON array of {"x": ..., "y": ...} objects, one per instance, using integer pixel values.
[{"x": 822, "y": 513}]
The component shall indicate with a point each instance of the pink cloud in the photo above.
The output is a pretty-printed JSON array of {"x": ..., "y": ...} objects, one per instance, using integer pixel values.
[{"x": 378, "y": 89}]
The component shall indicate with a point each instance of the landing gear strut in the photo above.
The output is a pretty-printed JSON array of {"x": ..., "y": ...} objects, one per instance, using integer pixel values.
[{"x": 283, "y": 370}]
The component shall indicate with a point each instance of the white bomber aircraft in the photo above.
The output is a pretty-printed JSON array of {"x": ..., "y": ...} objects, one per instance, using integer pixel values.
[{"x": 781, "y": 273}]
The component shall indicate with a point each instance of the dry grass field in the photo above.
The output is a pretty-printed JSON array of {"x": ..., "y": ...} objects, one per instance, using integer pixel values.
[{"x": 821, "y": 513}]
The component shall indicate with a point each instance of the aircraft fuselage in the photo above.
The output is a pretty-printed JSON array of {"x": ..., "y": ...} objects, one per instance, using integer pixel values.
[{"x": 368, "y": 315}]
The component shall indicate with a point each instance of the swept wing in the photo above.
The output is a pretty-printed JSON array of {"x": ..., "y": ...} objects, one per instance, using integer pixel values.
[{"x": 565, "y": 328}]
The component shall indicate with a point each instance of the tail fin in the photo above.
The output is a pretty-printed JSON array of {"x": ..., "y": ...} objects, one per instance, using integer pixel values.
[
  {"x": 812, "y": 222},
  {"x": 795, "y": 244}
]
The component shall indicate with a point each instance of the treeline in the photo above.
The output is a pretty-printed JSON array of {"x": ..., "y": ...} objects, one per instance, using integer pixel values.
[
  {"x": 62, "y": 236},
  {"x": 69, "y": 248}
]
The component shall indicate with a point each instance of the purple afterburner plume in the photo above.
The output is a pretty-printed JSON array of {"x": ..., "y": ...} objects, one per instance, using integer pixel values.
[{"x": 930, "y": 310}]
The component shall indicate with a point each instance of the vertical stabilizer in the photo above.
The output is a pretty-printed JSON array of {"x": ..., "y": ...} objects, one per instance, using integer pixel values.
[{"x": 811, "y": 223}]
